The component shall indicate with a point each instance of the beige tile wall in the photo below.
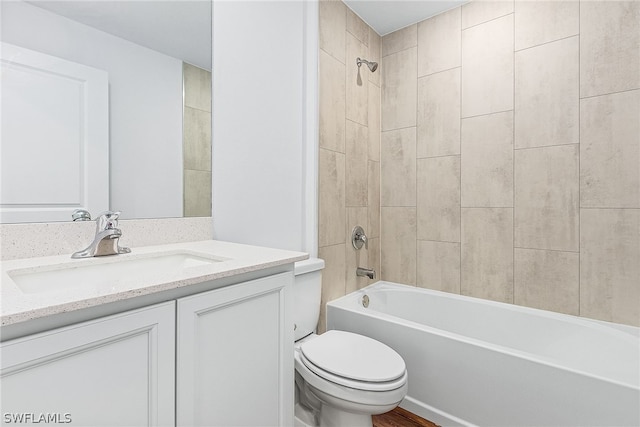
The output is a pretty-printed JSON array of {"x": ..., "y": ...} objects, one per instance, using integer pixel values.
[
  {"x": 510, "y": 155},
  {"x": 196, "y": 145},
  {"x": 349, "y": 159}
]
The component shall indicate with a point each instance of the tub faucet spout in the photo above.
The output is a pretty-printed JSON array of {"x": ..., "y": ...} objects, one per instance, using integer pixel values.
[{"x": 366, "y": 272}]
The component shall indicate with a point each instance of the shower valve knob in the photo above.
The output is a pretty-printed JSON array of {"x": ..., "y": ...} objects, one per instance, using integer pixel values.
[{"x": 359, "y": 238}]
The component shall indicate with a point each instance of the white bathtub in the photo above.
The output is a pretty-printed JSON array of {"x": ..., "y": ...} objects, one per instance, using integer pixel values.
[{"x": 478, "y": 362}]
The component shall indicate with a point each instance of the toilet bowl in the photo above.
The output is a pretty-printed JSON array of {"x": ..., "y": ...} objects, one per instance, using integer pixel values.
[
  {"x": 342, "y": 378},
  {"x": 345, "y": 378}
]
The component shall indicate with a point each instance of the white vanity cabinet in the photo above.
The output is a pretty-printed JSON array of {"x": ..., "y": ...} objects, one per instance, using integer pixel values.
[
  {"x": 113, "y": 371},
  {"x": 219, "y": 353},
  {"x": 235, "y": 355}
]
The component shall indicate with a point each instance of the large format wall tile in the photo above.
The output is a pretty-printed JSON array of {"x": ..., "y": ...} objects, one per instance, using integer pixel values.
[
  {"x": 357, "y": 165},
  {"x": 479, "y": 11},
  {"x": 398, "y": 242},
  {"x": 487, "y": 161},
  {"x": 487, "y": 253},
  {"x": 439, "y": 43},
  {"x": 439, "y": 199},
  {"x": 333, "y": 278},
  {"x": 547, "y": 94},
  {"x": 332, "y": 103},
  {"x": 331, "y": 198},
  {"x": 333, "y": 28},
  {"x": 357, "y": 89},
  {"x": 357, "y": 27},
  {"x": 400, "y": 40},
  {"x": 349, "y": 157},
  {"x": 548, "y": 280},
  {"x": 610, "y": 151},
  {"x": 439, "y": 114},
  {"x": 374, "y": 199},
  {"x": 375, "y": 55},
  {"x": 196, "y": 130},
  {"x": 197, "y": 193},
  {"x": 399, "y": 90},
  {"x": 556, "y": 80},
  {"x": 487, "y": 67},
  {"x": 439, "y": 266},
  {"x": 546, "y": 199},
  {"x": 197, "y": 87},
  {"x": 609, "y": 46},
  {"x": 356, "y": 257},
  {"x": 609, "y": 267},
  {"x": 374, "y": 122},
  {"x": 374, "y": 257},
  {"x": 398, "y": 168},
  {"x": 543, "y": 21}
]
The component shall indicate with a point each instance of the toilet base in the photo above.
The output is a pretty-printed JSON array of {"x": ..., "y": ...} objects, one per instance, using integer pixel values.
[
  {"x": 334, "y": 417},
  {"x": 335, "y": 412},
  {"x": 304, "y": 417},
  {"x": 330, "y": 417}
]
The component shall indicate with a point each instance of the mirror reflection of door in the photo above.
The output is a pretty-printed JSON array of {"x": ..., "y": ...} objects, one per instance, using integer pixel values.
[
  {"x": 144, "y": 47},
  {"x": 55, "y": 137}
]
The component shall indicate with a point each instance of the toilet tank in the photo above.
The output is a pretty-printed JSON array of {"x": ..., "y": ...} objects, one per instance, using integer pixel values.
[{"x": 307, "y": 293}]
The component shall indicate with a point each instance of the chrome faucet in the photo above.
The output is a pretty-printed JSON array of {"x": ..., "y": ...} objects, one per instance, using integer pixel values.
[
  {"x": 366, "y": 272},
  {"x": 106, "y": 240},
  {"x": 359, "y": 238}
]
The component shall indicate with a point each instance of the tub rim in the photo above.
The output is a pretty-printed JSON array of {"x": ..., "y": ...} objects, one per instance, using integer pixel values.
[{"x": 625, "y": 332}]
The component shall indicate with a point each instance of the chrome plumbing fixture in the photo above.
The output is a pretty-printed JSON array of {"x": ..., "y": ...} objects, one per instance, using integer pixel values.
[
  {"x": 81, "y": 215},
  {"x": 365, "y": 301},
  {"x": 358, "y": 238},
  {"x": 106, "y": 240},
  {"x": 366, "y": 272},
  {"x": 373, "y": 66}
]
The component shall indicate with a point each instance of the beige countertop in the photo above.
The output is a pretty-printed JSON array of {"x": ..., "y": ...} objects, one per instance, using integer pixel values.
[{"x": 17, "y": 306}]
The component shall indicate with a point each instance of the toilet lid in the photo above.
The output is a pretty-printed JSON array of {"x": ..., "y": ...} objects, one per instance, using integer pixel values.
[{"x": 353, "y": 356}]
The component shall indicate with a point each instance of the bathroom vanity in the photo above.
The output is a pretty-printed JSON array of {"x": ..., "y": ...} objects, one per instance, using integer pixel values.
[{"x": 126, "y": 340}]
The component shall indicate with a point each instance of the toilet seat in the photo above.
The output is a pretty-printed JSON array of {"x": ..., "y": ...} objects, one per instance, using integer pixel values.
[{"x": 354, "y": 361}]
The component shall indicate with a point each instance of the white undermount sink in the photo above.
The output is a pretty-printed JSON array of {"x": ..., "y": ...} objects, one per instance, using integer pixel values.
[{"x": 106, "y": 272}]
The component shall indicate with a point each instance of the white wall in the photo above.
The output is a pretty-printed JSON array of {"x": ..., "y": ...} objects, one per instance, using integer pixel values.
[
  {"x": 264, "y": 81},
  {"x": 145, "y": 90}
]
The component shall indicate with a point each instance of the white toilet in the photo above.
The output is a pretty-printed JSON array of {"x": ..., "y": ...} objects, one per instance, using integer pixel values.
[{"x": 342, "y": 378}]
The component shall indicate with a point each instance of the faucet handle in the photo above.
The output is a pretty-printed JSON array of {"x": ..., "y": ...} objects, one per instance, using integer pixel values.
[
  {"x": 107, "y": 220},
  {"x": 359, "y": 238},
  {"x": 81, "y": 215}
]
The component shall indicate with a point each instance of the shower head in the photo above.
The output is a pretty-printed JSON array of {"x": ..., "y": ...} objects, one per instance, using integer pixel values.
[{"x": 373, "y": 66}]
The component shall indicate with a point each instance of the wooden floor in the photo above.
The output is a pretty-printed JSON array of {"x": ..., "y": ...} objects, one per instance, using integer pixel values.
[{"x": 400, "y": 418}]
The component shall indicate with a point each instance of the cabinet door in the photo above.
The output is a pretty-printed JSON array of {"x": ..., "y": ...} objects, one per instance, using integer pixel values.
[
  {"x": 235, "y": 355},
  {"x": 114, "y": 371}
]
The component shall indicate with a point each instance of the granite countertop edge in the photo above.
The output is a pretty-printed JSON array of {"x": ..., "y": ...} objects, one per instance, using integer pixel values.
[{"x": 237, "y": 259}]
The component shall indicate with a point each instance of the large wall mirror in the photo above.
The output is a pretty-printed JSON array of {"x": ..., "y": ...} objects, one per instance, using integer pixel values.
[{"x": 134, "y": 76}]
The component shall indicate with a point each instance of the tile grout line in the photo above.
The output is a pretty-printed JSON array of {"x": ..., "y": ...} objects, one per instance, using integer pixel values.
[
  {"x": 416, "y": 154},
  {"x": 442, "y": 71},
  {"x": 485, "y": 114},
  {"x": 605, "y": 94},
  {"x": 513, "y": 166},
  {"x": 607, "y": 208},
  {"x": 483, "y": 22},
  {"x": 545, "y": 43},
  {"x": 544, "y": 249},
  {"x": 460, "y": 150},
  {"x": 545, "y": 146},
  {"x": 345, "y": 214},
  {"x": 579, "y": 173}
]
